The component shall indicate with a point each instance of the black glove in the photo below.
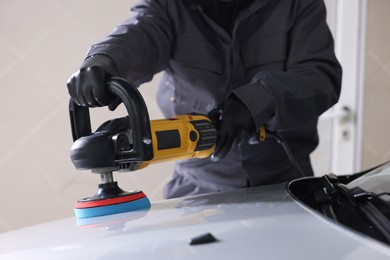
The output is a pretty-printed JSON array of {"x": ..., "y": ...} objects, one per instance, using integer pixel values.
[
  {"x": 235, "y": 119},
  {"x": 87, "y": 85}
]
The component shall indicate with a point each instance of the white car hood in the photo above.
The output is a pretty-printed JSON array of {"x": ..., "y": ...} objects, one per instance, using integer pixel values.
[{"x": 254, "y": 223}]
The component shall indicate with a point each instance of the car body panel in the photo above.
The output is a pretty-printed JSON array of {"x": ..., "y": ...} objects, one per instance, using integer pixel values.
[{"x": 252, "y": 223}]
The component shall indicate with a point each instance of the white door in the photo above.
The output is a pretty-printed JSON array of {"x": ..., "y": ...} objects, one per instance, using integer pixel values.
[{"x": 340, "y": 127}]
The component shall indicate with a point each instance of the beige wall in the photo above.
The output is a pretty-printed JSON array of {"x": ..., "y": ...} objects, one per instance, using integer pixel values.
[
  {"x": 41, "y": 43},
  {"x": 376, "y": 140}
]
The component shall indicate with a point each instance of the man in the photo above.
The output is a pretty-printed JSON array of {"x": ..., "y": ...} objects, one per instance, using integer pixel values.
[{"x": 263, "y": 62}]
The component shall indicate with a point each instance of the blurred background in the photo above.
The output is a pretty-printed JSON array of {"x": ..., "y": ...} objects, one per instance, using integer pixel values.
[{"x": 43, "y": 42}]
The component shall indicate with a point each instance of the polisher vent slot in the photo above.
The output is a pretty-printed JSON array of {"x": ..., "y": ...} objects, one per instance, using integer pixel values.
[{"x": 129, "y": 166}]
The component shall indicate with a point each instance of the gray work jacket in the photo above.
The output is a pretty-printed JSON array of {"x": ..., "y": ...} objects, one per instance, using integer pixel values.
[{"x": 279, "y": 60}]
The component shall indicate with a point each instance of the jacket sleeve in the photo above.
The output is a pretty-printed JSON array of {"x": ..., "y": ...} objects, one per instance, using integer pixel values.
[
  {"x": 287, "y": 100},
  {"x": 141, "y": 45}
]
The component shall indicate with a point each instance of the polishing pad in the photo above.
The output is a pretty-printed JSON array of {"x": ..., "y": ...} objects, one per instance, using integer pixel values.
[
  {"x": 111, "y": 222},
  {"x": 110, "y": 199}
]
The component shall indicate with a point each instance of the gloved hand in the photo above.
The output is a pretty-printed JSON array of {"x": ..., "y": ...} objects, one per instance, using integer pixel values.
[
  {"x": 235, "y": 119},
  {"x": 87, "y": 85}
]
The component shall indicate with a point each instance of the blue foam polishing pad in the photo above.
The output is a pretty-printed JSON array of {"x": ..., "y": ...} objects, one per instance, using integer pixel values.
[{"x": 103, "y": 207}]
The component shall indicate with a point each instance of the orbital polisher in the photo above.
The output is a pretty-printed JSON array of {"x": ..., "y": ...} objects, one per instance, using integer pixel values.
[{"x": 131, "y": 143}]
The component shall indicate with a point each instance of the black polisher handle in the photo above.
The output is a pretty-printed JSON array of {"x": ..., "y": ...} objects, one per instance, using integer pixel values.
[
  {"x": 80, "y": 121},
  {"x": 139, "y": 121}
]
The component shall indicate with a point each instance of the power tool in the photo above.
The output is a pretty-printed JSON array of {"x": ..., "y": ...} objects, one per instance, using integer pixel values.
[{"x": 130, "y": 143}]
